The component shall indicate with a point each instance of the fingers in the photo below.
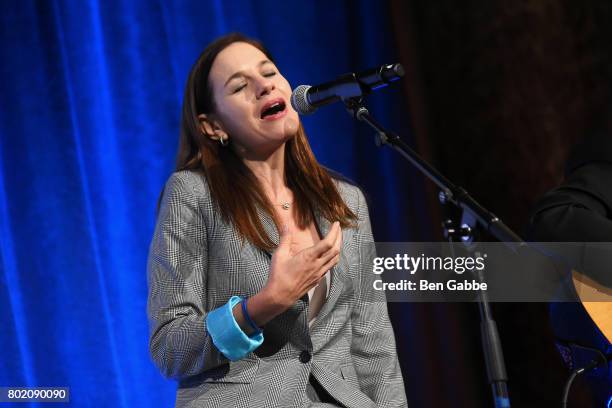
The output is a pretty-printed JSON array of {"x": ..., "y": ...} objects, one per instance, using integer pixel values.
[
  {"x": 322, "y": 270},
  {"x": 328, "y": 242},
  {"x": 334, "y": 250},
  {"x": 329, "y": 264},
  {"x": 338, "y": 242},
  {"x": 322, "y": 256},
  {"x": 326, "y": 257}
]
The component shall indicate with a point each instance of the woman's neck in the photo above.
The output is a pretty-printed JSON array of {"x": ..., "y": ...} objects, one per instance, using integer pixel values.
[{"x": 270, "y": 171}]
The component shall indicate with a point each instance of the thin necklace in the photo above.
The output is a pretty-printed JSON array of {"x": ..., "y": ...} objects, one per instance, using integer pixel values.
[{"x": 285, "y": 205}]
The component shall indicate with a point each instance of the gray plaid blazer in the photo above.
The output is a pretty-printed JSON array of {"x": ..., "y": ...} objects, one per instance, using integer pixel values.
[{"x": 197, "y": 262}]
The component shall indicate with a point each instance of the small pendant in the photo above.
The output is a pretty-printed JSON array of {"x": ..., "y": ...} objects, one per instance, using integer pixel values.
[{"x": 285, "y": 206}]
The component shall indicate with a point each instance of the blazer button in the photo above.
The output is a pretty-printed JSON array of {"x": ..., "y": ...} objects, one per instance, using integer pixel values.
[{"x": 304, "y": 356}]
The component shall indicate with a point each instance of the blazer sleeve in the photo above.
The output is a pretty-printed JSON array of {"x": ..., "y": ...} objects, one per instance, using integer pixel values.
[
  {"x": 179, "y": 343},
  {"x": 373, "y": 342}
]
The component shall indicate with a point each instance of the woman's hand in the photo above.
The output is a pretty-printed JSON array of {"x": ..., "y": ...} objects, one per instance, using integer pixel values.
[{"x": 293, "y": 274}]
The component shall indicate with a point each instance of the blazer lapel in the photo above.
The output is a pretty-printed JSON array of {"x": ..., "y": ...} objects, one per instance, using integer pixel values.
[
  {"x": 269, "y": 227},
  {"x": 337, "y": 273}
]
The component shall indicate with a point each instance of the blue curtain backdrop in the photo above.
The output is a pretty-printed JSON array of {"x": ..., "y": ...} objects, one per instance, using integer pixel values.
[{"x": 90, "y": 95}]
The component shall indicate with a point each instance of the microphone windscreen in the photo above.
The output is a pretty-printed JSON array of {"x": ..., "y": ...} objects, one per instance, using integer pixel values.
[{"x": 299, "y": 100}]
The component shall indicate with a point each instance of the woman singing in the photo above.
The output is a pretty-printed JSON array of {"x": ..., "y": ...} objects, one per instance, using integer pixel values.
[{"x": 256, "y": 265}]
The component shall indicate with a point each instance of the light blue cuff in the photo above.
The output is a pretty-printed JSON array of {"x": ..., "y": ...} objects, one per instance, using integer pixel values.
[{"x": 227, "y": 336}]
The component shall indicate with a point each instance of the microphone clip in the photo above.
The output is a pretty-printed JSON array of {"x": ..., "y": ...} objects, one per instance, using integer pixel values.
[{"x": 357, "y": 110}]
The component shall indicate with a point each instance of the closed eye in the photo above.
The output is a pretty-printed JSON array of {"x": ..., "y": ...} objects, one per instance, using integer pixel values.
[{"x": 240, "y": 88}]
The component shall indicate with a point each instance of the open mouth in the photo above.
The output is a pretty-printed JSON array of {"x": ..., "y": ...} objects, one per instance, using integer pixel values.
[{"x": 273, "y": 109}]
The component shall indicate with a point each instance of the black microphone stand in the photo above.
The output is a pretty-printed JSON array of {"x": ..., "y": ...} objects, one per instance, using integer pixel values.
[{"x": 473, "y": 218}]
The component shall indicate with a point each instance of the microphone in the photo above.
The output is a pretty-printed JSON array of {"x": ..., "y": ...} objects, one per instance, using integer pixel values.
[{"x": 306, "y": 99}]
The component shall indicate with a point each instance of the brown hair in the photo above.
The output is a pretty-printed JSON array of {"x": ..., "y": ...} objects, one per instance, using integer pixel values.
[{"x": 234, "y": 188}]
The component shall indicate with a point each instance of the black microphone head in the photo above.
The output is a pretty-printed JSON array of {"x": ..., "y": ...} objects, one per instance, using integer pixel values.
[{"x": 299, "y": 100}]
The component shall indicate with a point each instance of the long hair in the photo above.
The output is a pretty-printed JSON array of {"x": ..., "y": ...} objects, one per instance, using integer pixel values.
[{"x": 235, "y": 190}]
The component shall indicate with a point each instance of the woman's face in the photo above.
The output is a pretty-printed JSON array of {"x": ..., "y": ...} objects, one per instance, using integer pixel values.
[{"x": 252, "y": 99}]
